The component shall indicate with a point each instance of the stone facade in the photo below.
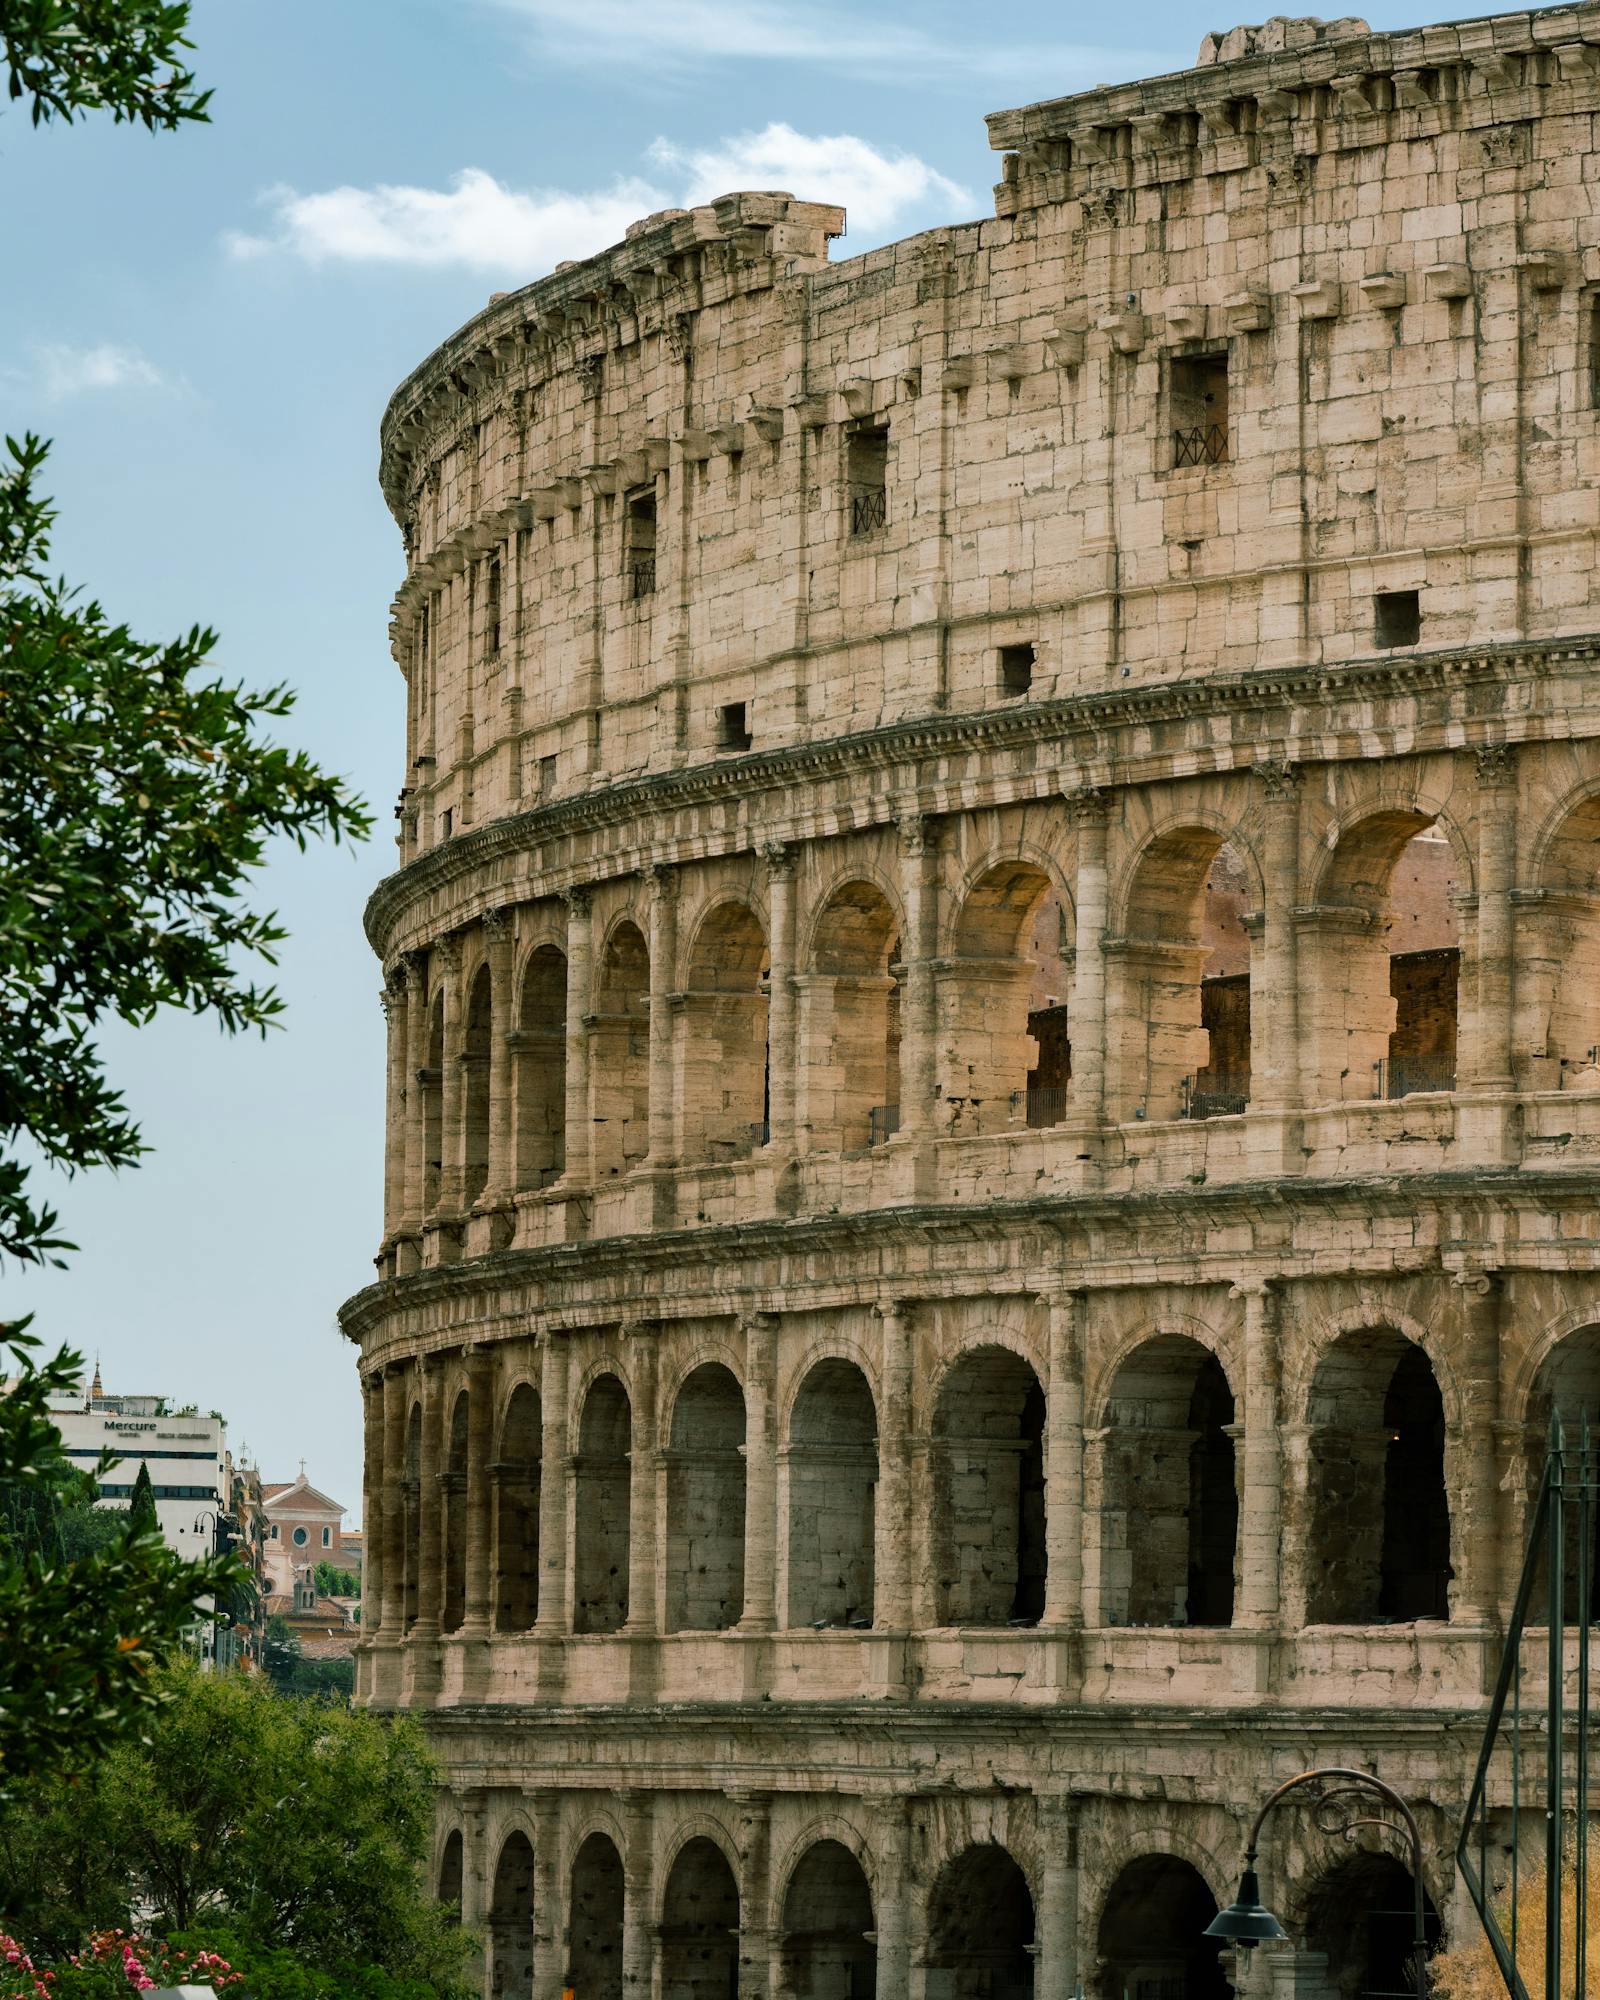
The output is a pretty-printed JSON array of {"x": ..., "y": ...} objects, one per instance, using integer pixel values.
[{"x": 993, "y": 994}]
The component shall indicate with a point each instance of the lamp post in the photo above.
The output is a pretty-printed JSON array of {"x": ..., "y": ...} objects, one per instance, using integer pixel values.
[
  {"x": 221, "y": 1540},
  {"x": 1247, "y": 1922}
]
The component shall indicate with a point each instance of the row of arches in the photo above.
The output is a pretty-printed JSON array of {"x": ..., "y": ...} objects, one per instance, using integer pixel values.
[{"x": 978, "y": 1937}]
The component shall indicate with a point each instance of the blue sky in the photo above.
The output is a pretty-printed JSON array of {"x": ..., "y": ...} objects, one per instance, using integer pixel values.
[{"x": 209, "y": 325}]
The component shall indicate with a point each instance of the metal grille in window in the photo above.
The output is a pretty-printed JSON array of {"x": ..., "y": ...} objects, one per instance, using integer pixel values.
[
  {"x": 1223, "y": 1097},
  {"x": 883, "y": 1121},
  {"x": 868, "y": 511},
  {"x": 1400, "y": 1076},
  {"x": 642, "y": 574},
  {"x": 1205, "y": 444}
]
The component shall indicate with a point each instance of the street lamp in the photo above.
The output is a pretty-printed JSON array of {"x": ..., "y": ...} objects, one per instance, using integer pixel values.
[
  {"x": 1247, "y": 1922},
  {"x": 222, "y": 1538}
]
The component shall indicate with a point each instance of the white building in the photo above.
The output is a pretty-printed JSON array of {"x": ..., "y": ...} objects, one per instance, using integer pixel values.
[{"x": 186, "y": 1454}]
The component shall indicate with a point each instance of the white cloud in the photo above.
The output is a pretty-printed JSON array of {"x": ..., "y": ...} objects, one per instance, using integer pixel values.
[
  {"x": 876, "y": 188},
  {"x": 479, "y": 224},
  {"x": 71, "y": 371}
]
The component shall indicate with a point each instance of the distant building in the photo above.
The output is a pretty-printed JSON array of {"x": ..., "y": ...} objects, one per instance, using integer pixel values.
[
  {"x": 187, "y": 1455},
  {"x": 327, "y": 1628},
  {"x": 304, "y": 1527}
]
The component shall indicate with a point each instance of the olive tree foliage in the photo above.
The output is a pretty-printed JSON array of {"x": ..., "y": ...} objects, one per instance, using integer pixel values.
[{"x": 66, "y": 58}]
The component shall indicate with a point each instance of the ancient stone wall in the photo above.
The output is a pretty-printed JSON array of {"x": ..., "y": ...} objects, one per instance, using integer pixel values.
[{"x": 993, "y": 998}]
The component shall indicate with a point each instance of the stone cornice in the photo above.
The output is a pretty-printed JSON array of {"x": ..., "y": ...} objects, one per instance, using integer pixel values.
[{"x": 1099, "y": 730}]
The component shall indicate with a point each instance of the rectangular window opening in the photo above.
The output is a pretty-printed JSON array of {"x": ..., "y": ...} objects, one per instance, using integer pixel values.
[
  {"x": 447, "y": 823},
  {"x": 733, "y": 729},
  {"x": 547, "y": 776},
  {"x": 1197, "y": 387},
  {"x": 1397, "y": 617},
  {"x": 491, "y": 612},
  {"x": 867, "y": 480},
  {"x": 639, "y": 544},
  {"x": 1016, "y": 668}
]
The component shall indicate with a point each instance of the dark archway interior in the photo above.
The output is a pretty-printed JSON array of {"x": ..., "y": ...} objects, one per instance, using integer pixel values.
[
  {"x": 601, "y": 1526},
  {"x": 475, "y": 1088},
  {"x": 1152, "y": 1941},
  {"x": 705, "y": 1503},
  {"x": 411, "y": 1554},
  {"x": 1361, "y": 1914},
  {"x": 700, "y": 1926},
  {"x": 828, "y": 1950},
  {"x": 451, "y": 1865},
  {"x": 453, "y": 1498},
  {"x": 980, "y": 1927},
  {"x": 1567, "y": 1386},
  {"x": 594, "y": 1952},
  {"x": 989, "y": 1517},
  {"x": 516, "y": 1532},
  {"x": 1416, "y": 1515},
  {"x": 511, "y": 1922},
  {"x": 832, "y": 1483}
]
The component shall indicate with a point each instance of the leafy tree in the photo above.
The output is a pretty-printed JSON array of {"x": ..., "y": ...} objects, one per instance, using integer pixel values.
[
  {"x": 333, "y": 1582},
  {"x": 142, "y": 1506},
  {"x": 290, "y": 1672},
  {"x": 296, "y": 1826},
  {"x": 70, "y": 57}
]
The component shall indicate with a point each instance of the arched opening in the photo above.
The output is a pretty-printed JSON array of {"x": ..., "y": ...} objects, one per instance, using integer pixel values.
[
  {"x": 516, "y": 1532},
  {"x": 411, "y": 1565},
  {"x": 722, "y": 1073},
  {"x": 1558, "y": 961},
  {"x": 619, "y": 1055},
  {"x": 594, "y": 1950},
  {"x": 1003, "y": 1008},
  {"x": 605, "y": 1446},
  {"x": 453, "y": 1499},
  {"x": 451, "y": 1871},
  {"x": 1178, "y": 981},
  {"x": 988, "y": 1513},
  {"x": 700, "y": 1926},
  {"x": 828, "y": 1949},
  {"x": 511, "y": 1921},
  {"x": 980, "y": 1927},
  {"x": 1362, "y": 1915},
  {"x": 1169, "y": 1509},
  {"x": 541, "y": 1069},
  {"x": 1151, "y": 1938},
  {"x": 850, "y": 1024},
  {"x": 475, "y": 1088},
  {"x": 1380, "y": 1517},
  {"x": 1380, "y": 964},
  {"x": 705, "y": 1503},
  {"x": 431, "y": 1084},
  {"x": 1567, "y": 1385},
  {"x": 832, "y": 1472}
]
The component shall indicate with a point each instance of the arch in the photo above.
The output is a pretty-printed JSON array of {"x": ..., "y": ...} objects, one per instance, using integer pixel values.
[
  {"x": 1558, "y": 962},
  {"x": 516, "y": 1473},
  {"x": 1381, "y": 973},
  {"x": 849, "y": 1027},
  {"x": 1151, "y": 1932},
  {"x": 1168, "y": 1500},
  {"x": 831, "y": 1478},
  {"x": 619, "y": 1053},
  {"x": 705, "y": 1502},
  {"x": 1361, "y": 1915},
  {"x": 988, "y": 1525},
  {"x": 828, "y": 1948},
  {"x": 700, "y": 1925},
  {"x": 452, "y": 1872},
  {"x": 1178, "y": 977},
  {"x": 475, "y": 1087},
  {"x": 723, "y": 1061},
  {"x": 431, "y": 1085},
  {"x": 1378, "y": 1546},
  {"x": 453, "y": 1499},
  {"x": 981, "y": 1926},
  {"x": 511, "y": 1920},
  {"x": 594, "y": 1923},
  {"x": 601, "y": 1501},
  {"x": 1003, "y": 1007},
  {"x": 541, "y": 1068},
  {"x": 1566, "y": 1384},
  {"x": 411, "y": 1566}
]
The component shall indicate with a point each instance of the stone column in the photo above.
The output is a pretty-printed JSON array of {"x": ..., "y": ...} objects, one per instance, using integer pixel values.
[
  {"x": 392, "y": 1612},
  {"x": 782, "y": 1055},
  {"x": 919, "y": 895},
  {"x": 893, "y": 1911},
  {"x": 394, "y": 1131},
  {"x": 755, "y": 1937},
  {"x": 642, "y": 1614},
  {"x": 1475, "y": 1490},
  {"x": 1492, "y": 1067},
  {"x": 374, "y": 1506},
  {"x": 663, "y": 888},
  {"x": 1274, "y": 980},
  {"x": 580, "y": 939},
  {"x": 549, "y": 1927},
  {"x": 760, "y": 1473},
  {"x": 1056, "y": 1967},
  {"x": 1089, "y": 812},
  {"x": 416, "y": 1061},
  {"x": 1063, "y": 1502},
  {"x": 502, "y": 1174},
  {"x": 1260, "y": 1512},
  {"x": 638, "y": 1909},
  {"x": 1094, "y": 1500},
  {"x": 480, "y": 1435},
  {"x": 553, "y": 1616},
  {"x": 453, "y": 1079},
  {"x": 430, "y": 1563},
  {"x": 892, "y": 1524}
]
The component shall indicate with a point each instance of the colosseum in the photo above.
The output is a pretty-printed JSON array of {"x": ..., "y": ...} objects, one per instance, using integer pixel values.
[{"x": 993, "y": 993}]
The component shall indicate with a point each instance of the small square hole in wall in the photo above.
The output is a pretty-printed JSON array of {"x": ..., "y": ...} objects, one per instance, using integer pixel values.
[
  {"x": 1016, "y": 668},
  {"x": 1397, "y": 617},
  {"x": 733, "y": 731}
]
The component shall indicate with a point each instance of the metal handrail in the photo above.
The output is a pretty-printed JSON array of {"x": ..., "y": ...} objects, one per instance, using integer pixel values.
[
  {"x": 1202, "y": 444},
  {"x": 868, "y": 511}
]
